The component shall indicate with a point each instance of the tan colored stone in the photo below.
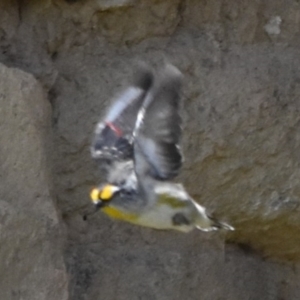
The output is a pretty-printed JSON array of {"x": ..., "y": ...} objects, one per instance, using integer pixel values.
[{"x": 31, "y": 252}]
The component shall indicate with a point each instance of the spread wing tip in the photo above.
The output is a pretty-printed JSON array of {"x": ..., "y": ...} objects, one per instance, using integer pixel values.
[
  {"x": 143, "y": 77},
  {"x": 172, "y": 77}
]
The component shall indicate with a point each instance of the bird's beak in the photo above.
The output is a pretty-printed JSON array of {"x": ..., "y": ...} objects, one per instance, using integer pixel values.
[{"x": 97, "y": 206}]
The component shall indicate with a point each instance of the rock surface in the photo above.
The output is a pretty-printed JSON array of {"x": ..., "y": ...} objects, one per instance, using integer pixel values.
[
  {"x": 241, "y": 110},
  {"x": 31, "y": 252}
]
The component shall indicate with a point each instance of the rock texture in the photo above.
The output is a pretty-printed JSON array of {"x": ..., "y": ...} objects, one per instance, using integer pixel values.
[
  {"x": 31, "y": 252},
  {"x": 241, "y": 142}
]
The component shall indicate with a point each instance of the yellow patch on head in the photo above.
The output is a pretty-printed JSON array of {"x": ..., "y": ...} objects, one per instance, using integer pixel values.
[
  {"x": 94, "y": 194},
  {"x": 107, "y": 192}
]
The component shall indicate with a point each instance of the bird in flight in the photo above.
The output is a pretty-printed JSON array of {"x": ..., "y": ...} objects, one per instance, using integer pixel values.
[{"x": 137, "y": 145}]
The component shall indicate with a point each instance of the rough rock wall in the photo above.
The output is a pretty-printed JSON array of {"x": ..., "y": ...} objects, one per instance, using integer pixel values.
[
  {"x": 241, "y": 112},
  {"x": 31, "y": 258}
]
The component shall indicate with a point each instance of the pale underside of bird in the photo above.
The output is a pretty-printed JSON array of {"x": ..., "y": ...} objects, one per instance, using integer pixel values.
[{"x": 137, "y": 145}]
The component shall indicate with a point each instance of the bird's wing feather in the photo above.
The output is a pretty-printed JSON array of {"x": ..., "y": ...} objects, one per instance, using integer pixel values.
[
  {"x": 113, "y": 134},
  {"x": 158, "y": 129}
]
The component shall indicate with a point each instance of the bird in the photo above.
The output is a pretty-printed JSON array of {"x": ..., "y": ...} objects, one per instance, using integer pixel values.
[{"x": 137, "y": 145}]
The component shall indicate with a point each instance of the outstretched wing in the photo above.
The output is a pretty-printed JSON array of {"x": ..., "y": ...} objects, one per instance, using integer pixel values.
[
  {"x": 113, "y": 135},
  {"x": 158, "y": 129}
]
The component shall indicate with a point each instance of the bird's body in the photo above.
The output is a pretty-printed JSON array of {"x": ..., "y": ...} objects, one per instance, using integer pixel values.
[
  {"x": 171, "y": 208},
  {"x": 138, "y": 144}
]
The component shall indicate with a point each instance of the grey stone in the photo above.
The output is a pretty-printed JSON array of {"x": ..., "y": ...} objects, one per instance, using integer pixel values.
[{"x": 31, "y": 251}]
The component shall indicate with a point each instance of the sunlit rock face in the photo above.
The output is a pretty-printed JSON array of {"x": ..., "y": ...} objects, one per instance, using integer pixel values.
[{"x": 241, "y": 143}]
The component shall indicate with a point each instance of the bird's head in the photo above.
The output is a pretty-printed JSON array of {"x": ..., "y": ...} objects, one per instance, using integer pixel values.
[{"x": 103, "y": 195}]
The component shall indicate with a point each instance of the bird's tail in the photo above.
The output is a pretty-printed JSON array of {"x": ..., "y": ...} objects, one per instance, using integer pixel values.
[
  {"x": 206, "y": 222},
  {"x": 217, "y": 225}
]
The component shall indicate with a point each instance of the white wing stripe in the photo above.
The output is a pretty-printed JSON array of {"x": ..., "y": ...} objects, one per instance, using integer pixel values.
[
  {"x": 124, "y": 100},
  {"x": 141, "y": 114}
]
